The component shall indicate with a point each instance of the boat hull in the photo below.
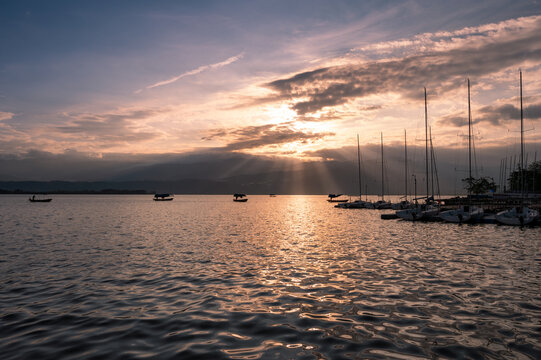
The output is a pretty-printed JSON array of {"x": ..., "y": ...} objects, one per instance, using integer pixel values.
[
  {"x": 40, "y": 200},
  {"x": 462, "y": 215},
  {"x": 352, "y": 205},
  {"x": 414, "y": 214},
  {"x": 240, "y": 200},
  {"x": 424, "y": 212},
  {"x": 517, "y": 218}
]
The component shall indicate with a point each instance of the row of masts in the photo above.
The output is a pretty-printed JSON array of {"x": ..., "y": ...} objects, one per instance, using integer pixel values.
[{"x": 431, "y": 171}]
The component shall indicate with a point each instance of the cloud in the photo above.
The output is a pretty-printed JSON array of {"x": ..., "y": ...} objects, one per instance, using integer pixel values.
[
  {"x": 251, "y": 137},
  {"x": 442, "y": 67},
  {"x": 6, "y": 115},
  {"x": 446, "y": 40},
  {"x": 498, "y": 115},
  {"x": 109, "y": 128},
  {"x": 195, "y": 71}
]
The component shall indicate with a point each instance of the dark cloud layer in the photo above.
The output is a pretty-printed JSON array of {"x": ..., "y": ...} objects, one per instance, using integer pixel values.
[
  {"x": 495, "y": 115},
  {"x": 251, "y": 137},
  {"x": 439, "y": 71},
  {"x": 336, "y": 172}
]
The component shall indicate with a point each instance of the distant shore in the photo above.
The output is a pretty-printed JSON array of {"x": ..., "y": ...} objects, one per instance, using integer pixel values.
[{"x": 78, "y": 192}]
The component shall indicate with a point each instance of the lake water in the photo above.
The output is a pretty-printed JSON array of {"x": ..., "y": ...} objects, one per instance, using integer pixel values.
[{"x": 93, "y": 277}]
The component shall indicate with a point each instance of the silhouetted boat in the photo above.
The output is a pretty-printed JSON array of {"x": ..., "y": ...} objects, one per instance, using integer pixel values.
[
  {"x": 163, "y": 197},
  {"x": 335, "y": 198},
  {"x": 34, "y": 199},
  {"x": 240, "y": 197}
]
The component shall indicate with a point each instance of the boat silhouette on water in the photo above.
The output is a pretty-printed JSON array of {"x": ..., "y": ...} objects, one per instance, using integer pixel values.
[
  {"x": 240, "y": 198},
  {"x": 163, "y": 197},
  {"x": 35, "y": 199},
  {"x": 335, "y": 198}
]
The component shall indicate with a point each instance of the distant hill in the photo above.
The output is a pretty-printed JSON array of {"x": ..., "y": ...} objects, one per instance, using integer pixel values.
[{"x": 215, "y": 173}]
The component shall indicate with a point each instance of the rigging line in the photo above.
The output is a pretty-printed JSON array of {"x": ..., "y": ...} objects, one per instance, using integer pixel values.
[
  {"x": 433, "y": 155},
  {"x": 475, "y": 157},
  {"x": 456, "y": 162}
]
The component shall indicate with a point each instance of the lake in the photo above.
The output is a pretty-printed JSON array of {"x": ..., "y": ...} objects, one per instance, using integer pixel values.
[{"x": 119, "y": 277}]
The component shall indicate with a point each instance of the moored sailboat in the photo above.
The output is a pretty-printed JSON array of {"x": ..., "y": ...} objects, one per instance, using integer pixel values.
[
  {"x": 428, "y": 209},
  {"x": 382, "y": 204},
  {"x": 404, "y": 204},
  {"x": 521, "y": 215},
  {"x": 465, "y": 213},
  {"x": 357, "y": 204}
]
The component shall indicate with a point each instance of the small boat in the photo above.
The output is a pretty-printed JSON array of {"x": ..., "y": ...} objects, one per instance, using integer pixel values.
[
  {"x": 240, "y": 198},
  {"x": 335, "y": 198},
  {"x": 163, "y": 197},
  {"x": 272, "y": 195},
  {"x": 34, "y": 199}
]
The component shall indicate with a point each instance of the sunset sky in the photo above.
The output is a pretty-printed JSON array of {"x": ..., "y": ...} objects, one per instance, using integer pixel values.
[{"x": 279, "y": 78}]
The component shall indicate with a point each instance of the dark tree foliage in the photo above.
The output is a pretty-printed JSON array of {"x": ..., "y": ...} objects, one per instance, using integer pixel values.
[
  {"x": 531, "y": 176},
  {"x": 479, "y": 186}
]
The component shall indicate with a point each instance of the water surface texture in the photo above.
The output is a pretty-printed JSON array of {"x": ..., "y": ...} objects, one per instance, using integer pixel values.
[{"x": 93, "y": 277}]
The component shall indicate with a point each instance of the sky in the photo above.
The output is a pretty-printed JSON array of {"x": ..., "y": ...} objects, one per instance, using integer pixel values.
[{"x": 147, "y": 81}]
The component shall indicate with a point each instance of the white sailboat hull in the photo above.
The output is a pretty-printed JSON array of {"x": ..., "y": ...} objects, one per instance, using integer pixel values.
[
  {"x": 464, "y": 214},
  {"x": 517, "y": 217},
  {"x": 418, "y": 213},
  {"x": 410, "y": 214}
]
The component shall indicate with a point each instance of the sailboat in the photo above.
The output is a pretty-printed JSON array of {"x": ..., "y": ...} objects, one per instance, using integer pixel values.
[
  {"x": 521, "y": 215},
  {"x": 421, "y": 211},
  {"x": 404, "y": 204},
  {"x": 466, "y": 212},
  {"x": 382, "y": 204},
  {"x": 357, "y": 204}
]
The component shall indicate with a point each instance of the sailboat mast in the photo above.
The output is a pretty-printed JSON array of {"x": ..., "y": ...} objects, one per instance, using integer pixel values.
[
  {"x": 431, "y": 163},
  {"x": 382, "y": 172},
  {"x": 469, "y": 140},
  {"x": 405, "y": 166},
  {"x": 426, "y": 146},
  {"x": 359, "y": 166},
  {"x": 521, "y": 143}
]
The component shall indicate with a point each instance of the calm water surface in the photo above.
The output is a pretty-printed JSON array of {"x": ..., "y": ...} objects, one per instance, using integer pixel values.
[{"x": 93, "y": 277}]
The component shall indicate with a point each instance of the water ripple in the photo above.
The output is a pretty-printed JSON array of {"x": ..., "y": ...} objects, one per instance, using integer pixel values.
[{"x": 289, "y": 277}]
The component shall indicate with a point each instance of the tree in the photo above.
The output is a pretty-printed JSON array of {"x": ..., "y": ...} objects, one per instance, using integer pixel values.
[
  {"x": 478, "y": 186},
  {"x": 531, "y": 176}
]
